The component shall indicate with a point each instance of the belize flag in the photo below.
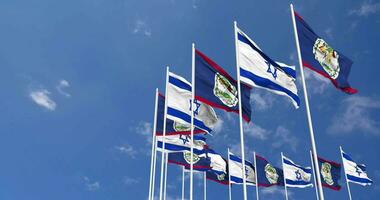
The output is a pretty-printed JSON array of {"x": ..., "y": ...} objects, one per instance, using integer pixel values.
[
  {"x": 217, "y": 88},
  {"x": 322, "y": 58},
  {"x": 172, "y": 127},
  {"x": 330, "y": 173},
  {"x": 219, "y": 168},
  {"x": 200, "y": 160},
  {"x": 356, "y": 173},
  {"x": 180, "y": 105},
  {"x": 267, "y": 174},
  {"x": 258, "y": 70}
]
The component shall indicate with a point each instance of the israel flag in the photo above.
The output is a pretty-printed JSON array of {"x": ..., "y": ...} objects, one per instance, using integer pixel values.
[
  {"x": 258, "y": 70},
  {"x": 179, "y": 105},
  {"x": 295, "y": 175},
  {"x": 177, "y": 143},
  {"x": 236, "y": 171},
  {"x": 356, "y": 173}
]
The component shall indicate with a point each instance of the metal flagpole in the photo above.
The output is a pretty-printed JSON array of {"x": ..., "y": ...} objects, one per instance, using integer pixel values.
[
  {"x": 166, "y": 174},
  {"x": 163, "y": 134},
  {"x": 229, "y": 175},
  {"x": 152, "y": 159},
  {"x": 313, "y": 145},
  {"x": 183, "y": 183},
  {"x": 240, "y": 112},
  {"x": 256, "y": 174},
  {"x": 204, "y": 186},
  {"x": 192, "y": 117},
  {"x": 315, "y": 181},
  {"x": 286, "y": 189},
  {"x": 345, "y": 174}
]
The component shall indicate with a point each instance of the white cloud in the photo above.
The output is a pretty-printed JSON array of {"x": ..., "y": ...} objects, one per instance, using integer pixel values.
[
  {"x": 61, "y": 86},
  {"x": 146, "y": 130},
  {"x": 354, "y": 114},
  {"x": 271, "y": 191},
  {"x": 91, "y": 186},
  {"x": 315, "y": 83},
  {"x": 261, "y": 100},
  {"x": 130, "y": 180},
  {"x": 255, "y": 131},
  {"x": 282, "y": 137},
  {"x": 141, "y": 27},
  {"x": 366, "y": 8},
  {"x": 218, "y": 127},
  {"x": 41, "y": 97},
  {"x": 127, "y": 149}
]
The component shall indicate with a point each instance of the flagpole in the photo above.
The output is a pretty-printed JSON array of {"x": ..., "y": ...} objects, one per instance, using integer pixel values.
[
  {"x": 286, "y": 189},
  {"x": 229, "y": 176},
  {"x": 183, "y": 183},
  {"x": 152, "y": 160},
  {"x": 313, "y": 145},
  {"x": 166, "y": 174},
  {"x": 163, "y": 134},
  {"x": 192, "y": 117},
  {"x": 315, "y": 181},
  {"x": 345, "y": 174},
  {"x": 204, "y": 186},
  {"x": 154, "y": 168},
  {"x": 240, "y": 113},
  {"x": 256, "y": 176}
]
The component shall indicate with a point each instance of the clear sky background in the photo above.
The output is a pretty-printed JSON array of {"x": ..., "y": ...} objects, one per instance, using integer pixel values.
[{"x": 77, "y": 89}]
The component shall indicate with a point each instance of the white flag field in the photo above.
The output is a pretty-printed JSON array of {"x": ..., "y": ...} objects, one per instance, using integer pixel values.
[{"x": 236, "y": 171}]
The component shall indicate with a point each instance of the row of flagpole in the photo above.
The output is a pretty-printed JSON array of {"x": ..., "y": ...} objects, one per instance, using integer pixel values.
[{"x": 164, "y": 156}]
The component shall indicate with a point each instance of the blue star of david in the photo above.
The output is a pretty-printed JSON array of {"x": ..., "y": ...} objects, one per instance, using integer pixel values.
[
  {"x": 358, "y": 170},
  {"x": 246, "y": 172},
  {"x": 298, "y": 175},
  {"x": 197, "y": 104},
  {"x": 185, "y": 138},
  {"x": 269, "y": 70}
]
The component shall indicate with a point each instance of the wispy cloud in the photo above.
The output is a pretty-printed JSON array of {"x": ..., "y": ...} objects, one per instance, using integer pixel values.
[
  {"x": 41, "y": 97},
  {"x": 62, "y": 85},
  {"x": 271, "y": 191},
  {"x": 141, "y": 27},
  {"x": 261, "y": 100},
  {"x": 91, "y": 186},
  {"x": 127, "y": 149},
  {"x": 145, "y": 129},
  {"x": 130, "y": 181},
  {"x": 315, "y": 82},
  {"x": 256, "y": 131},
  {"x": 282, "y": 137},
  {"x": 355, "y": 114},
  {"x": 366, "y": 8}
]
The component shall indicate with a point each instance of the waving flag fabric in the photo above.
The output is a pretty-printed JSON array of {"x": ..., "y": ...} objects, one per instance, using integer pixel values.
[
  {"x": 356, "y": 173},
  {"x": 296, "y": 175},
  {"x": 258, "y": 70},
  {"x": 200, "y": 160},
  {"x": 322, "y": 58},
  {"x": 267, "y": 174},
  {"x": 179, "y": 105},
  {"x": 236, "y": 171},
  {"x": 219, "y": 168},
  {"x": 172, "y": 127},
  {"x": 217, "y": 88},
  {"x": 330, "y": 173},
  {"x": 175, "y": 143}
]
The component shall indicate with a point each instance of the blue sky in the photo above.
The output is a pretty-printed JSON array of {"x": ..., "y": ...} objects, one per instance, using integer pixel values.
[{"x": 78, "y": 79}]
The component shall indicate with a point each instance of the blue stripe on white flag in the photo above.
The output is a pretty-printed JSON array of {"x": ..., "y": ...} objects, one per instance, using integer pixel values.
[
  {"x": 305, "y": 169},
  {"x": 359, "y": 180},
  {"x": 187, "y": 118}
]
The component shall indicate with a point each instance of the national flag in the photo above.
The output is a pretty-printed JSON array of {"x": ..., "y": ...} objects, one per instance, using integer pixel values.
[
  {"x": 322, "y": 58},
  {"x": 258, "y": 70},
  {"x": 172, "y": 127},
  {"x": 267, "y": 174},
  {"x": 330, "y": 173},
  {"x": 296, "y": 175},
  {"x": 215, "y": 87},
  {"x": 236, "y": 171},
  {"x": 175, "y": 143},
  {"x": 200, "y": 160},
  {"x": 218, "y": 177},
  {"x": 219, "y": 168},
  {"x": 179, "y": 105},
  {"x": 356, "y": 173}
]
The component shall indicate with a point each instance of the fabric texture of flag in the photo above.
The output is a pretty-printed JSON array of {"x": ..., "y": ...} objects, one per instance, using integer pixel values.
[
  {"x": 258, "y": 70},
  {"x": 215, "y": 87},
  {"x": 267, "y": 174},
  {"x": 236, "y": 171},
  {"x": 219, "y": 168},
  {"x": 296, "y": 175},
  {"x": 356, "y": 173},
  {"x": 322, "y": 58},
  {"x": 200, "y": 160},
  {"x": 175, "y": 143},
  {"x": 180, "y": 105},
  {"x": 172, "y": 127},
  {"x": 330, "y": 173}
]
